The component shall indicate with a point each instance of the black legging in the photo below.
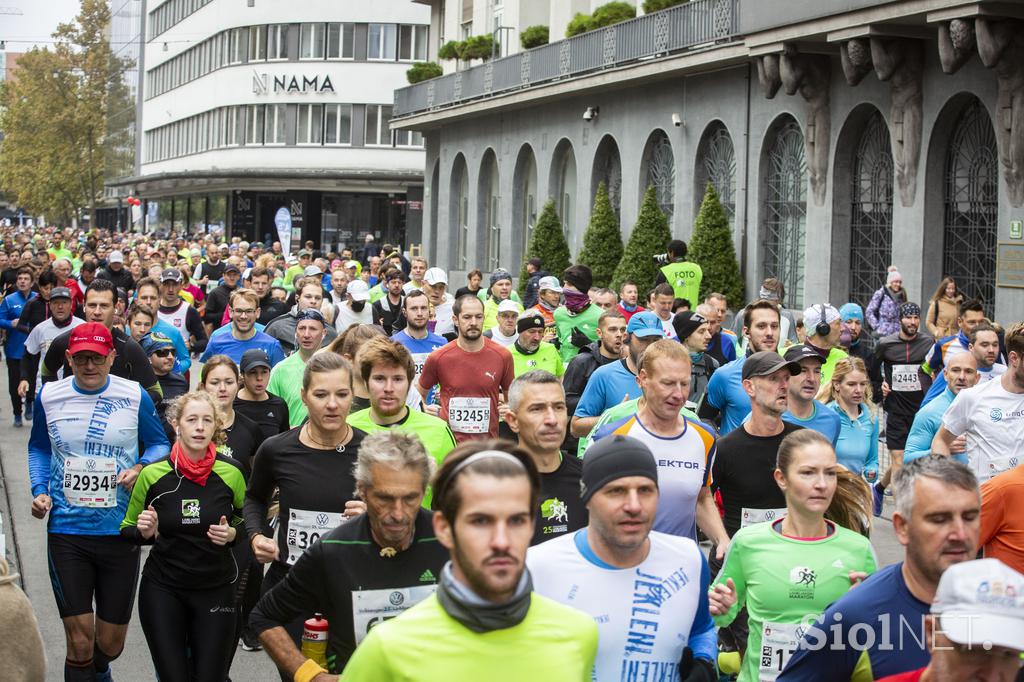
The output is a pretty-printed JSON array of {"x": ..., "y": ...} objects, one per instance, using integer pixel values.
[
  {"x": 13, "y": 379},
  {"x": 190, "y": 633},
  {"x": 276, "y": 574}
]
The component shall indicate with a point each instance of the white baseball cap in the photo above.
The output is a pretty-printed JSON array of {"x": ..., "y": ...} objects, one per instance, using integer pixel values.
[
  {"x": 358, "y": 290},
  {"x": 351, "y": 265},
  {"x": 508, "y": 306},
  {"x": 312, "y": 271},
  {"x": 816, "y": 314},
  {"x": 981, "y": 603},
  {"x": 435, "y": 276},
  {"x": 549, "y": 282},
  {"x": 115, "y": 257}
]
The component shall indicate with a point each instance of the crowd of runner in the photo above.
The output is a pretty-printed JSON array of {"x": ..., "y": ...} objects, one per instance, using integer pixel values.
[{"x": 368, "y": 471}]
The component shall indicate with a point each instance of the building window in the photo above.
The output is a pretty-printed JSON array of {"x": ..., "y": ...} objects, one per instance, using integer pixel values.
[
  {"x": 309, "y": 125},
  {"x": 234, "y": 125},
  {"x": 380, "y": 41},
  {"x": 338, "y": 124},
  {"x": 339, "y": 41},
  {"x": 257, "y": 43},
  {"x": 378, "y": 132},
  {"x": 971, "y": 203},
  {"x": 238, "y": 39},
  {"x": 720, "y": 169},
  {"x": 871, "y": 209},
  {"x": 661, "y": 173},
  {"x": 785, "y": 210},
  {"x": 277, "y": 41},
  {"x": 412, "y": 43},
  {"x": 407, "y": 138},
  {"x": 254, "y": 132},
  {"x": 275, "y": 123},
  {"x": 311, "y": 41}
]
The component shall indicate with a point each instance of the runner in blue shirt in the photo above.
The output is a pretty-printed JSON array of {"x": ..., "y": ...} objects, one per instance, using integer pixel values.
[
  {"x": 245, "y": 310},
  {"x": 804, "y": 410},
  {"x": 960, "y": 372},
  {"x": 418, "y": 340},
  {"x": 14, "y": 346},
  {"x": 725, "y": 402}
]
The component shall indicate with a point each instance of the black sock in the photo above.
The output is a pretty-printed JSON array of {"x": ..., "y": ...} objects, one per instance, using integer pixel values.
[
  {"x": 101, "y": 661},
  {"x": 79, "y": 671}
]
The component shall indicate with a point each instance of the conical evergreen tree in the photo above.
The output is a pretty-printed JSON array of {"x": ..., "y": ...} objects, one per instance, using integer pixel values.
[
  {"x": 602, "y": 242},
  {"x": 547, "y": 243},
  {"x": 650, "y": 236},
  {"x": 711, "y": 248}
]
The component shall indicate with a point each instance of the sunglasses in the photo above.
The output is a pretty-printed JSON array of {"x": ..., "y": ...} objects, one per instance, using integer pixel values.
[{"x": 164, "y": 353}]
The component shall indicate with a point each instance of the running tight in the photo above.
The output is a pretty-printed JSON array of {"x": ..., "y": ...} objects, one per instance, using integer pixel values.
[{"x": 191, "y": 633}]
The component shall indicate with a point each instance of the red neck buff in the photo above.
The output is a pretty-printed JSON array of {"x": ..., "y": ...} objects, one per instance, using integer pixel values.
[{"x": 197, "y": 472}]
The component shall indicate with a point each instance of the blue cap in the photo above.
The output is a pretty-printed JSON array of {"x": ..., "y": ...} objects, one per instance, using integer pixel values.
[
  {"x": 154, "y": 341},
  {"x": 644, "y": 324},
  {"x": 851, "y": 311}
]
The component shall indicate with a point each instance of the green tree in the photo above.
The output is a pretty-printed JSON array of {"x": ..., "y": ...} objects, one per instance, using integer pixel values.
[
  {"x": 65, "y": 120},
  {"x": 421, "y": 71},
  {"x": 547, "y": 243},
  {"x": 534, "y": 36},
  {"x": 611, "y": 13},
  {"x": 602, "y": 242},
  {"x": 650, "y": 236},
  {"x": 657, "y": 5},
  {"x": 580, "y": 23},
  {"x": 711, "y": 248}
]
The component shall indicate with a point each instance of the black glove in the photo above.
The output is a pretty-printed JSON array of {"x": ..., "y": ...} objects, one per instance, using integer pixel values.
[
  {"x": 579, "y": 339},
  {"x": 696, "y": 669}
]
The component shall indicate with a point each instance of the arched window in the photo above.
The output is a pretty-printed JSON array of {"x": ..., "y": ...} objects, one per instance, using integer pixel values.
[
  {"x": 971, "y": 205},
  {"x": 458, "y": 211},
  {"x": 608, "y": 169},
  {"x": 524, "y": 211},
  {"x": 563, "y": 186},
  {"x": 785, "y": 210},
  {"x": 659, "y": 171},
  {"x": 435, "y": 193},
  {"x": 490, "y": 209},
  {"x": 719, "y": 168},
  {"x": 871, "y": 209}
]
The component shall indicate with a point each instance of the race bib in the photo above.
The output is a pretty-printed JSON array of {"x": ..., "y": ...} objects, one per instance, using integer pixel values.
[
  {"x": 778, "y": 642},
  {"x": 748, "y": 517},
  {"x": 997, "y": 465},
  {"x": 469, "y": 415},
  {"x": 305, "y": 528},
  {"x": 373, "y": 607},
  {"x": 414, "y": 399},
  {"x": 90, "y": 482},
  {"x": 906, "y": 378}
]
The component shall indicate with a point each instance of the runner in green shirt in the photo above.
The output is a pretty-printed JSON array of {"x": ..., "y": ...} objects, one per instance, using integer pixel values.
[
  {"x": 576, "y": 321},
  {"x": 787, "y": 571},
  {"x": 286, "y": 377},
  {"x": 530, "y": 352}
]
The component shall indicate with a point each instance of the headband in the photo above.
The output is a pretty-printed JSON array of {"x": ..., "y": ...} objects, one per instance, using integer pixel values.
[{"x": 486, "y": 454}]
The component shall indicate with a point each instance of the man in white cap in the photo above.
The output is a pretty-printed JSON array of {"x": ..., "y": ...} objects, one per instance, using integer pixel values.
[
  {"x": 976, "y": 627},
  {"x": 116, "y": 272},
  {"x": 505, "y": 333},
  {"x": 435, "y": 286},
  {"x": 823, "y": 326},
  {"x": 354, "y": 310}
]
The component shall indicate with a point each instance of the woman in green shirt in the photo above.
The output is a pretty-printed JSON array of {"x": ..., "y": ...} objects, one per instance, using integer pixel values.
[{"x": 787, "y": 571}]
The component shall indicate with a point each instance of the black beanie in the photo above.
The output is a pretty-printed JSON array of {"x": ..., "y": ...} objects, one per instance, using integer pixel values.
[
  {"x": 579, "y": 277},
  {"x": 612, "y": 458}
]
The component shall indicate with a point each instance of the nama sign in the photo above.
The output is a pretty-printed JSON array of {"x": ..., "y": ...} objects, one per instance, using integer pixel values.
[{"x": 262, "y": 83}]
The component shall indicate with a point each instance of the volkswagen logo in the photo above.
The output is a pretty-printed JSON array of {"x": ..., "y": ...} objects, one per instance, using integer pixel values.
[
  {"x": 321, "y": 519},
  {"x": 769, "y": 515},
  {"x": 396, "y": 598},
  {"x": 90, "y": 464}
]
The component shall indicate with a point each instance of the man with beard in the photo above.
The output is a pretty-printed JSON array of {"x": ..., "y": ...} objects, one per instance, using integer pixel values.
[
  {"x": 417, "y": 340},
  {"x": 529, "y": 351},
  {"x": 726, "y": 402},
  {"x": 983, "y": 344},
  {"x": 387, "y": 369},
  {"x": 387, "y": 310},
  {"x": 485, "y": 622},
  {"x": 473, "y": 373},
  {"x": 898, "y": 367},
  {"x": 242, "y": 334},
  {"x": 611, "y": 334},
  {"x": 537, "y": 415},
  {"x": 43, "y": 334},
  {"x": 353, "y": 309},
  {"x": 217, "y": 301}
]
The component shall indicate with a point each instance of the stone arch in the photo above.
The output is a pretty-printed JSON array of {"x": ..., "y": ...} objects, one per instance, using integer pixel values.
[
  {"x": 862, "y": 208},
  {"x": 716, "y": 163},
  {"x": 658, "y": 168},
  {"x": 562, "y": 187},
  {"x": 433, "y": 230},
  {"x": 784, "y": 207},
  {"x": 607, "y": 169},
  {"x": 458, "y": 213},
  {"x": 525, "y": 202},
  {"x": 488, "y": 212}
]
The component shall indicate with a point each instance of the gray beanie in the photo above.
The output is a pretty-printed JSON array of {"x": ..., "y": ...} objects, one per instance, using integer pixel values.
[{"x": 612, "y": 458}]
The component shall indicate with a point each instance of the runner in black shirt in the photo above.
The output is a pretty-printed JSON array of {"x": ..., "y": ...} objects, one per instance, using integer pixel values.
[
  {"x": 269, "y": 412},
  {"x": 352, "y": 575},
  {"x": 311, "y": 465},
  {"x": 537, "y": 414}
]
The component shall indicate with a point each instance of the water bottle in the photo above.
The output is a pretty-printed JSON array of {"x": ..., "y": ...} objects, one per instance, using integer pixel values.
[{"x": 314, "y": 640}]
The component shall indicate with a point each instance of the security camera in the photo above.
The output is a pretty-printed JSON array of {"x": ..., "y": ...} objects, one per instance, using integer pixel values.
[
  {"x": 677, "y": 120},
  {"x": 591, "y": 113}
]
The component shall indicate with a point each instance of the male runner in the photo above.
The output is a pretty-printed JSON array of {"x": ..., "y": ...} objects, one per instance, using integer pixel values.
[
  {"x": 243, "y": 335},
  {"x": 530, "y": 351},
  {"x": 286, "y": 376},
  {"x": 417, "y": 339},
  {"x": 43, "y": 334},
  {"x": 84, "y": 456}
]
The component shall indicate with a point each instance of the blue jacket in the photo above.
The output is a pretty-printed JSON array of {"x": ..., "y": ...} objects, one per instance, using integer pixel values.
[{"x": 10, "y": 311}]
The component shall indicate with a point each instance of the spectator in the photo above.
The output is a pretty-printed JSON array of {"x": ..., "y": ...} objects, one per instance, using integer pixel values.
[
  {"x": 884, "y": 309},
  {"x": 535, "y": 273},
  {"x": 944, "y": 309}
]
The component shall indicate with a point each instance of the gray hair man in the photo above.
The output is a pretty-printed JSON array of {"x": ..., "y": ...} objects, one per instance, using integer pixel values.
[
  {"x": 937, "y": 519},
  {"x": 352, "y": 573}
]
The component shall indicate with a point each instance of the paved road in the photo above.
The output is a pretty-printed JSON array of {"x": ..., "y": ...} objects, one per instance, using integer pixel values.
[{"x": 26, "y": 550}]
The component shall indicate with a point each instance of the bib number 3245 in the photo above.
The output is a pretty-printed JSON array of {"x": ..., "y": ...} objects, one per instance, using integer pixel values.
[{"x": 90, "y": 482}]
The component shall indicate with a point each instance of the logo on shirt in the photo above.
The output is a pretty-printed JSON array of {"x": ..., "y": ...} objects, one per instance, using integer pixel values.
[
  {"x": 554, "y": 509},
  {"x": 396, "y": 598},
  {"x": 803, "y": 580},
  {"x": 189, "y": 512},
  {"x": 427, "y": 577},
  {"x": 996, "y": 414}
]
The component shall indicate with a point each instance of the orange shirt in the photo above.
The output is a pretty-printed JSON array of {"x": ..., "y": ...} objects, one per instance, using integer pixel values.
[{"x": 1002, "y": 518}]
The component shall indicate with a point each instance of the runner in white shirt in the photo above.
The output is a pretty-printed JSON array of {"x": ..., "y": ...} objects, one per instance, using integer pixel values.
[
  {"x": 435, "y": 285},
  {"x": 647, "y": 591},
  {"x": 355, "y": 309},
  {"x": 505, "y": 333},
  {"x": 991, "y": 415},
  {"x": 45, "y": 332}
]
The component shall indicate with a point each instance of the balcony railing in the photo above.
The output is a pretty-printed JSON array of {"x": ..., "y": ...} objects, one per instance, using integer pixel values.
[{"x": 695, "y": 24}]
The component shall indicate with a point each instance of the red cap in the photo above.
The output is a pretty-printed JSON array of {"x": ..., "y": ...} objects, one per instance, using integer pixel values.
[{"x": 91, "y": 336}]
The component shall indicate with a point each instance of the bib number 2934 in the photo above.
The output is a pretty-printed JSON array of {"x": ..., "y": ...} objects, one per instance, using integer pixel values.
[{"x": 90, "y": 482}]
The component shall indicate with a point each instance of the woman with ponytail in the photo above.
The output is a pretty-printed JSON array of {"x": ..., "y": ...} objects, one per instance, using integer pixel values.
[
  {"x": 849, "y": 394},
  {"x": 786, "y": 571}
]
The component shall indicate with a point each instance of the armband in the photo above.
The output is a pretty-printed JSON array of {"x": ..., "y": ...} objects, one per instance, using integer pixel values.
[{"x": 307, "y": 671}]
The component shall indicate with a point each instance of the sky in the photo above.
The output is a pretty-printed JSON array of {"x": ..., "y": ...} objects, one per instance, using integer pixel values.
[{"x": 37, "y": 22}]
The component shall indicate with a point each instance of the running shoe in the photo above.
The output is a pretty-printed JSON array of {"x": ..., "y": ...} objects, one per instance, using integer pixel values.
[
  {"x": 28, "y": 411},
  {"x": 250, "y": 642},
  {"x": 877, "y": 499},
  {"x": 17, "y": 422}
]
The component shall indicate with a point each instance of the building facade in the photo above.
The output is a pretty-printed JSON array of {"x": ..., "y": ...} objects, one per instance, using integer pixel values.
[
  {"x": 841, "y": 140},
  {"x": 252, "y": 106}
]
